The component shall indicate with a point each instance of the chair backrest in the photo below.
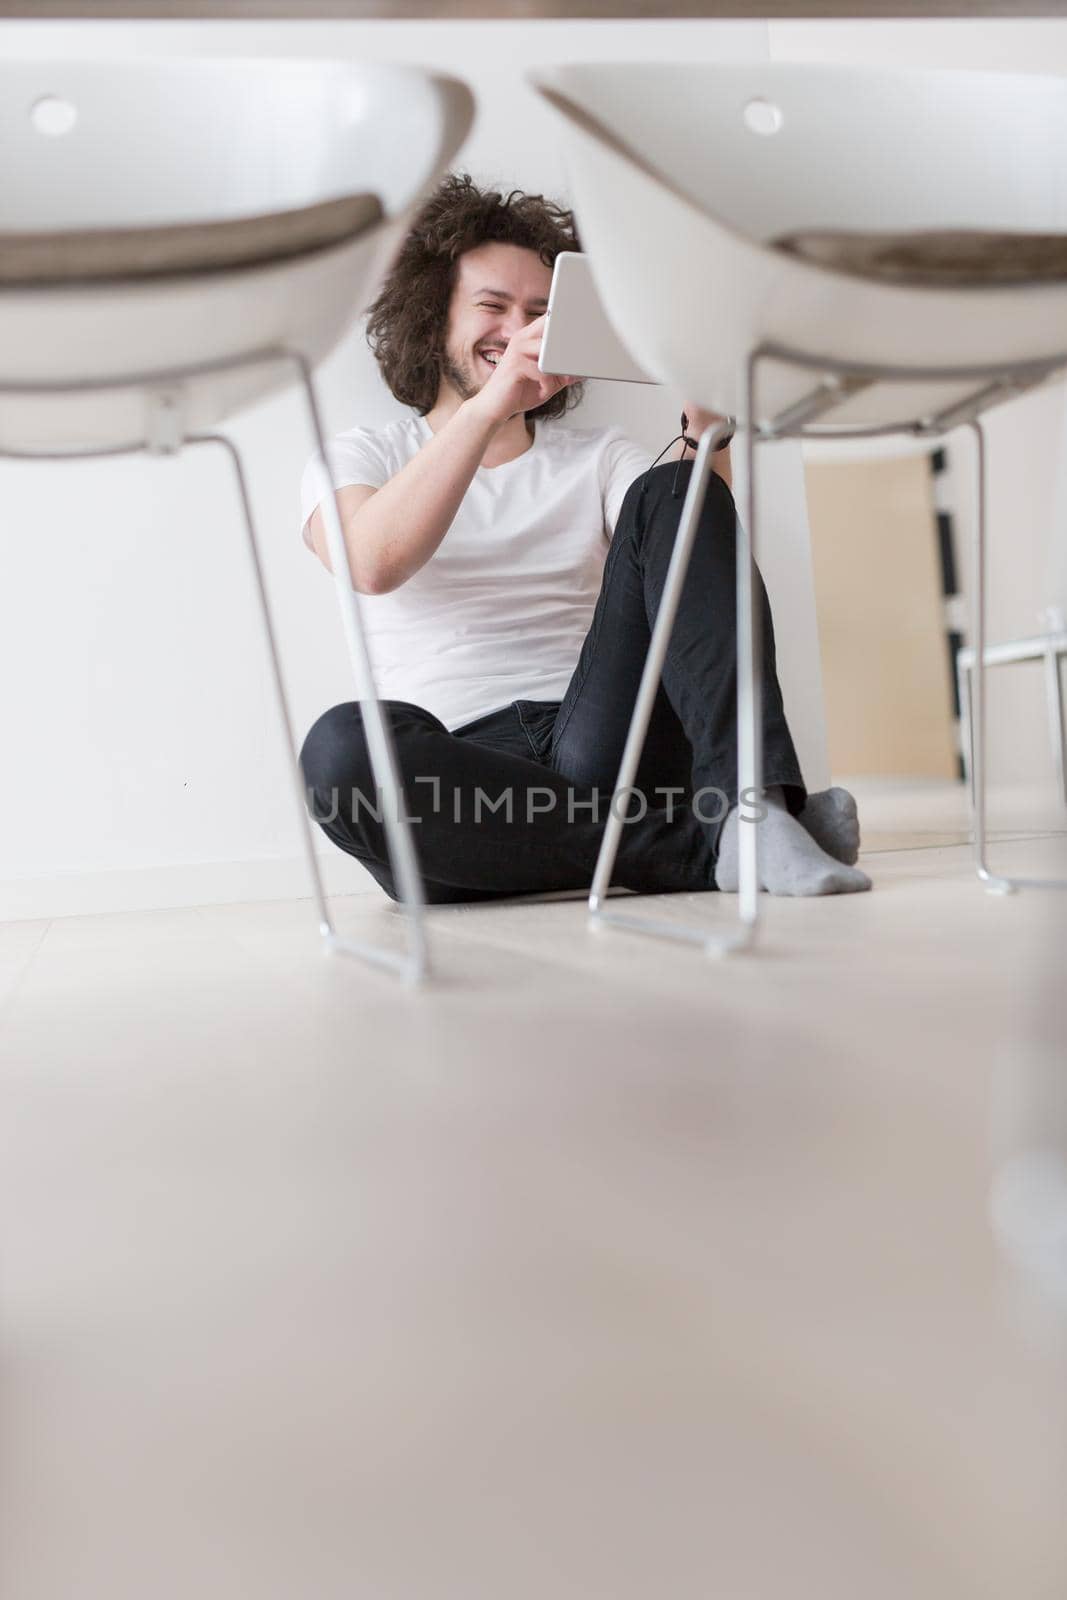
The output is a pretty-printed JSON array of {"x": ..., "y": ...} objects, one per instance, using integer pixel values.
[
  {"x": 127, "y": 143},
  {"x": 768, "y": 148}
]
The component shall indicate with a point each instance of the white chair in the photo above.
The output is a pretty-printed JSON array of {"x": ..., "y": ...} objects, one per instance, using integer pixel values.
[
  {"x": 1049, "y": 648},
  {"x": 181, "y": 238},
  {"x": 770, "y": 239}
]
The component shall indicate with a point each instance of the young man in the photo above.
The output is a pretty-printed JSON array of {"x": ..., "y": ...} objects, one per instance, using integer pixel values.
[{"x": 512, "y": 569}]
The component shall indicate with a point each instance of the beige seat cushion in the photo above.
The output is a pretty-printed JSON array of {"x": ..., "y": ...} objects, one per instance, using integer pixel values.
[
  {"x": 935, "y": 257},
  {"x": 94, "y": 254}
]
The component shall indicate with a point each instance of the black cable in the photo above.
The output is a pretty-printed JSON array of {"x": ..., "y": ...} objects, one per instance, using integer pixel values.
[{"x": 687, "y": 444}]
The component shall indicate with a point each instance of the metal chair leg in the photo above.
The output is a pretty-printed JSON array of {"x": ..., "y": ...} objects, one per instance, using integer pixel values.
[
  {"x": 408, "y": 966},
  {"x": 599, "y": 914},
  {"x": 993, "y": 883},
  {"x": 383, "y": 760},
  {"x": 1054, "y": 689},
  {"x": 749, "y": 664},
  {"x": 321, "y": 904}
]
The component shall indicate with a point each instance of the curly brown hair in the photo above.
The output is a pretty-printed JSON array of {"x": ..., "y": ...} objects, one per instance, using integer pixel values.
[{"x": 408, "y": 321}]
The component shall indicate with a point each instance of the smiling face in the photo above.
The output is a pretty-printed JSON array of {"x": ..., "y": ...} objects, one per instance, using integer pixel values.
[{"x": 499, "y": 288}]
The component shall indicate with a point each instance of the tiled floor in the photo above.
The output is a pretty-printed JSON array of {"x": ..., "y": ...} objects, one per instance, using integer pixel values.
[{"x": 598, "y": 1268}]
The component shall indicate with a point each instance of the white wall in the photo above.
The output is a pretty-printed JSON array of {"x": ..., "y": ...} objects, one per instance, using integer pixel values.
[
  {"x": 1027, "y": 456},
  {"x": 146, "y": 767},
  {"x": 144, "y": 763}
]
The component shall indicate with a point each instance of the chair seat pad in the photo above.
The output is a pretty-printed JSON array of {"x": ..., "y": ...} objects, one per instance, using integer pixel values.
[
  {"x": 96, "y": 254},
  {"x": 934, "y": 257}
]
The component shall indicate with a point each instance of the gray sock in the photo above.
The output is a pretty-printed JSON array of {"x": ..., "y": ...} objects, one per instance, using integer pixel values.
[
  {"x": 831, "y": 817},
  {"x": 791, "y": 863}
]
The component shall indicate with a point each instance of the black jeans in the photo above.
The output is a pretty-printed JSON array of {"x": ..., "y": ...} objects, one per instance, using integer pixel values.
[{"x": 517, "y": 801}]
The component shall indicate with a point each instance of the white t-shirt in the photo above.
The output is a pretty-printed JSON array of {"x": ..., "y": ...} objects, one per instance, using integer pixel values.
[{"x": 501, "y": 609}]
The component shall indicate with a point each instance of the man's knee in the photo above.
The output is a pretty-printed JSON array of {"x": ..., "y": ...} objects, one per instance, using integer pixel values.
[
  {"x": 335, "y": 753},
  {"x": 336, "y": 760},
  {"x": 662, "y": 506}
]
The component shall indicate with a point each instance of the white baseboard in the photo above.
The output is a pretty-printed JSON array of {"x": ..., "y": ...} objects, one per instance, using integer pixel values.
[{"x": 197, "y": 883}]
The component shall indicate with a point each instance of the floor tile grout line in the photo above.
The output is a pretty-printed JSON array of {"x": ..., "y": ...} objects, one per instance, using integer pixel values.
[
  {"x": 963, "y": 844},
  {"x": 24, "y": 968},
  {"x": 203, "y": 912},
  {"x": 248, "y": 952}
]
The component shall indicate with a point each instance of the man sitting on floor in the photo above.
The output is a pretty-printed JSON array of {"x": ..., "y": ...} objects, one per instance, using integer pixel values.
[{"x": 513, "y": 568}]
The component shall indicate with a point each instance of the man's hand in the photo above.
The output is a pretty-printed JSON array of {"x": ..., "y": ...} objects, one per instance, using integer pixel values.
[
  {"x": 518, "y": 384},
  {"x": 699, "y": 422}
]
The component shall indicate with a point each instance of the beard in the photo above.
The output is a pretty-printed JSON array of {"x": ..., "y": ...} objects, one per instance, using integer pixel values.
[{"x": 461, "y": 378}]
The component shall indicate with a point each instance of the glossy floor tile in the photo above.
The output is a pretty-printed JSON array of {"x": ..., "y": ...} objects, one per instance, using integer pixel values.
[{"x": 597, "y": 1268}]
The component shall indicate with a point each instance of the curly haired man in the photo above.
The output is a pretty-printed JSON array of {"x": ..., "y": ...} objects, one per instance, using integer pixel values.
[{"x": 512, "y": 566}]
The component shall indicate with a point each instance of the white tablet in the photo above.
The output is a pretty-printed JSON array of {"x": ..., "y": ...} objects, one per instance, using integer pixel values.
[{"x": 578, "y": 339}]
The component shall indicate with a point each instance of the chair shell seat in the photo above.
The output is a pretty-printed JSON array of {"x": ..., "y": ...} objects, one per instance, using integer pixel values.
[
  {"x": 88, "y": 255},
  {"x": 856, "y": 150},
  {"x": 176, "y": 152}
]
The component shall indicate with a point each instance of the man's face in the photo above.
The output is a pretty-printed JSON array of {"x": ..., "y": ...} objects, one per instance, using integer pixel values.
[{"x": 499, "y": 288}]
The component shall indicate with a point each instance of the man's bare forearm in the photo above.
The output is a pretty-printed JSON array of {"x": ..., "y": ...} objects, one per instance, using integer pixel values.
[{"x": 397, "y": 530}]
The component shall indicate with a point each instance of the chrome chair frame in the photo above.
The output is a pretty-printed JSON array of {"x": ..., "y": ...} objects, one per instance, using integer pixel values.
[
  {"x": 1049, "y": 648},
  {"x": 839, "y": 381},
  {"x": 165, "y": 434}
]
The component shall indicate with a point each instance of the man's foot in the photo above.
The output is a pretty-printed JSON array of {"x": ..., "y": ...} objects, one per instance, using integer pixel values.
[
  {"x": 791, "y": 862},
  {"x": 833, "y": 821}
]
